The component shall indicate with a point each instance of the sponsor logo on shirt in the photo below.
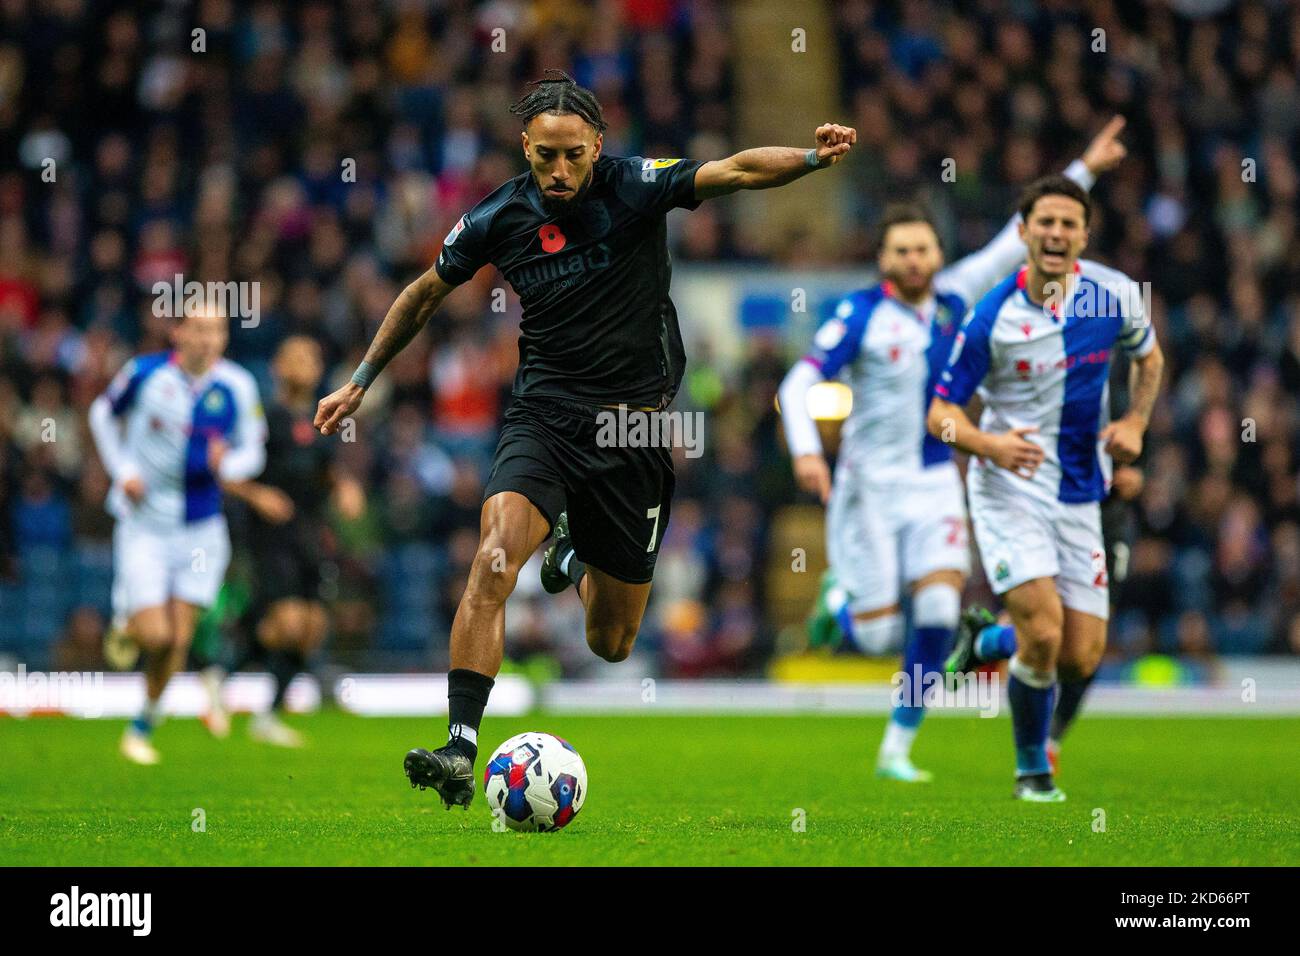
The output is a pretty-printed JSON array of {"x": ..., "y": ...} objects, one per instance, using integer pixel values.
[
  {"x": 456, "y": 230},
  {"x": 560, "y": 272},
  {"x": 1025, "y": 369}
]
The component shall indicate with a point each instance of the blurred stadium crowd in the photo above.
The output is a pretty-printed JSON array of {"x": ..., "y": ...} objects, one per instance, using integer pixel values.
[{"x": 226, "y": 164}]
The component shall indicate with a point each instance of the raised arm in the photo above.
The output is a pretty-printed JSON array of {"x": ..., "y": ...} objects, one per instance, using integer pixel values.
[
  {"x": 404, "y": 320},
  {"x": 769, "y": 166},
  {"x": 973, "y": 275}
]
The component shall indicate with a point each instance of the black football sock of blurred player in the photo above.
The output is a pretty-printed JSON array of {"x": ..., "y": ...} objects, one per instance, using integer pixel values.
[
  {"x": 1070, "y": 696},
  {"x": 467, "y": 696},
  {"x": 284, "y": 665}
]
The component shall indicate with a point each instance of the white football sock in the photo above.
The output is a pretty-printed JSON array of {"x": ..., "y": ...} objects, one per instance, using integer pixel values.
[
  {"x": 898, "y": 740},
  {"x": 463, "y": 732}
]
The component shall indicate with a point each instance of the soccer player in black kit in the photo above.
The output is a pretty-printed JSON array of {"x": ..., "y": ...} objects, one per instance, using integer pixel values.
[
  {"x": 581, "y": 239},
  {"x": 287, "y": 531}
]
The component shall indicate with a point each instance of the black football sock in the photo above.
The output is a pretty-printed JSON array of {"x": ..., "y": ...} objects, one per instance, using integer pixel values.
[
  {"x": 1068, "y": 700},
  {"x": 284, "y": 666},
  {"x": 467, "y": 695}
]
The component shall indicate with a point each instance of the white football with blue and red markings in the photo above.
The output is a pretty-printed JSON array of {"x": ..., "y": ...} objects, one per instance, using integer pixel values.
[{"x": 535, "y": 782}]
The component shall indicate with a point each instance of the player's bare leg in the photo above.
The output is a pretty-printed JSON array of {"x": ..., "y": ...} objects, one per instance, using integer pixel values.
[
  {"x": 511, "y": 529},
  {"x": 936, "y": 604},
  {"x": 1083, "y": 642},
  {"x": 163, "y": 634},
  {"x": 614, "y": 607},
  {"x": 1082, "y": 647},
  {"x": 289, "y": 633},
  {"x": 614, "y": 612},
  {"x": 1038, "y": 617}
]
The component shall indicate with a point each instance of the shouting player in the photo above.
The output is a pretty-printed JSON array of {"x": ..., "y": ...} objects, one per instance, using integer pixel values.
[
  {"x": 172, "y": 428},
  {"x": 581, "y": 238},
  {"x": 1117, "y": 532},
  {"x": 1038, "y": 347},
  {"x": 896, "y": 517}
]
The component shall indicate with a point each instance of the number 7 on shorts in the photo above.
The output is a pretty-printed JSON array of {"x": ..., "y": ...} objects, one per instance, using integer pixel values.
[{"x": 654, "y": 532}]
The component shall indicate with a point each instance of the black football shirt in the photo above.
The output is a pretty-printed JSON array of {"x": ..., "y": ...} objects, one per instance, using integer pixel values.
[
  {"x": 297, "y": 460},
  {"x": 598, "y": 325}
]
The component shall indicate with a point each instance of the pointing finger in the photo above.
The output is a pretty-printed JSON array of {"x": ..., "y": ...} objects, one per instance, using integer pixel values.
[{"x": 1114, "y": 127}]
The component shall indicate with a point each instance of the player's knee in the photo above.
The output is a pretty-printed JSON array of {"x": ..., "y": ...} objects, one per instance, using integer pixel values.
[
  {"x": 152, "y": 634},
  {"x": 1080, "y": 663},
  {"x": 1040, "y": 629},
  {"x": 316, "y": 623},
  {"x": 612, "y": 643},
  {"x": 492, "y": 576},
  {"x": 1038, "y": 638}
]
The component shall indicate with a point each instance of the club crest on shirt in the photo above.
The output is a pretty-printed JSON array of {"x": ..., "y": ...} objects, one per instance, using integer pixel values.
[
  {"x": 1002, "y": 572},
  {"x": 214, "y": 401}
]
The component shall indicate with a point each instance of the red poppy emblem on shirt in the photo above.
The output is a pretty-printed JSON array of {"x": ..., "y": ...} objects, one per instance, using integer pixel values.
[{"x": 552, "y": 239}]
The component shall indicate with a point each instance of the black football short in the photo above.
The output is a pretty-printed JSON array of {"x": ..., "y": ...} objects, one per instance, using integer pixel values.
[
  {"x": 1117, "y": 538},
  {"x": 286, "y": 561},
  {"x": 618, "y": 498}
]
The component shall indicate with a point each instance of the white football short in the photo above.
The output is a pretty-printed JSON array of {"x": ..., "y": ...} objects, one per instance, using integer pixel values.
[
  {"x": 151, "y": 564},
  {"x": 1021, "y": 536},
  {"x": 881, "y": 537}
]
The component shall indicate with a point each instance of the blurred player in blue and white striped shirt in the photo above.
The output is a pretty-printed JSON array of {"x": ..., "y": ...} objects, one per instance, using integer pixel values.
[
  {"x": 896, "y": 517},
  {"x": 172, "y": 428}
]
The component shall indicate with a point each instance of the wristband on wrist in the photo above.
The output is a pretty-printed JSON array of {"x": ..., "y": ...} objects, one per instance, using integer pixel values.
[
  {"x": 810, "y": 158},
  {"x": 364, "y": 375}
]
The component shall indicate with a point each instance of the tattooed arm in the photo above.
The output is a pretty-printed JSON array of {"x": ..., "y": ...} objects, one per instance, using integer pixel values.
[
  {"x": 1123, "y": 436},
  {"x": 404, "y": 320}
]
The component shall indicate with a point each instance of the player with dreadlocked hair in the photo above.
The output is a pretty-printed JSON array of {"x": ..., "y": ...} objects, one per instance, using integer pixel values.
[
  {"x": 581, "y": 237},
  {"x": 558, "y": 93}
]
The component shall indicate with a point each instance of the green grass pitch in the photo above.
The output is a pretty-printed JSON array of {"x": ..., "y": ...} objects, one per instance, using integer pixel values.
[{"x": 663, "y": 790}]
